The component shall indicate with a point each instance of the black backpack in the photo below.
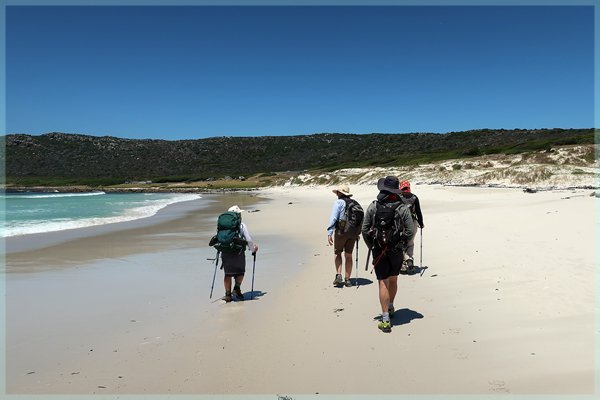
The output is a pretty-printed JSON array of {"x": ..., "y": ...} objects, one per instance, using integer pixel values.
[
  {"x": 228, "y": 238},
  {"x": 386, "y": 232},
  {"x": 351, "y": 221}
]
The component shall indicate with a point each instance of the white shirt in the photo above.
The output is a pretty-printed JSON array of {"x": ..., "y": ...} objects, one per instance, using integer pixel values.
[{"x": 246, "y": 236}]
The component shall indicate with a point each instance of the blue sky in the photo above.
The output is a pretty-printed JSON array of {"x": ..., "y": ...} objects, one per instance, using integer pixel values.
[{"x": 187, "y": 72}]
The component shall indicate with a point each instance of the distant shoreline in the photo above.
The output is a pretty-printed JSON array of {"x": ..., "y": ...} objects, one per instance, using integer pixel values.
[{"x": 82, "y": 189}]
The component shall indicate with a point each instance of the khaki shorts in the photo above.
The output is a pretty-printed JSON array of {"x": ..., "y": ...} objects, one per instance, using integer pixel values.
[{"x": 343, "y": 243}]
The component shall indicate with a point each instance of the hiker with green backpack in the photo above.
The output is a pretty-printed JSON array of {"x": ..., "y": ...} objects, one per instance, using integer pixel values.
[
  {"x": 343, "y": 232},
  {"x": 386, "y": 228},
  {"x": 231, "y": 240}
]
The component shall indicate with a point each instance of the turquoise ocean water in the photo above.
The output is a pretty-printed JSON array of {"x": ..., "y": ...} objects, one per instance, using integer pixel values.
[{"x": 26, "y": 213}]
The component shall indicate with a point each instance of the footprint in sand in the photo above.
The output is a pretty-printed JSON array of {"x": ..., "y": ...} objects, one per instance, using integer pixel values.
[{"x": 498, "y": 386}]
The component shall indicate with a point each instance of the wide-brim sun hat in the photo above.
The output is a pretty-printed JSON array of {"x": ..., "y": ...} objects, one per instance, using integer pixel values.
[
  {"x": 389, "y": 184},
  {"x": 236, "y": 209},
  {"x": 343, "y": 189}
]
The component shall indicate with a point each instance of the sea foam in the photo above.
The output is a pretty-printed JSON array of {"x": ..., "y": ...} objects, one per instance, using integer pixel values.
[{"x": 147, "y": 209}]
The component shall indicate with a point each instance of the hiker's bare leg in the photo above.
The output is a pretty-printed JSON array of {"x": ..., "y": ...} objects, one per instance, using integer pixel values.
[
  {"x": 239, "y": 279},
  {"x": 392, "y": 287},
  {"x": 410, "y": 246},
  {"x": 348, "y": 257},
  {"x": 338, "y": 263},
  {"x": 227, "y": 282},
  {"x": 384, "y": 295}
]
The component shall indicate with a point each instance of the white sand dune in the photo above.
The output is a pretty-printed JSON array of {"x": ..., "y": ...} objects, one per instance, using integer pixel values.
[{"x": 575, "y": 166}]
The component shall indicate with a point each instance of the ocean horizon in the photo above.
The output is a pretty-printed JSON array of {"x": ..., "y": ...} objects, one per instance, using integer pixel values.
[{"x": 41, "y": 212}]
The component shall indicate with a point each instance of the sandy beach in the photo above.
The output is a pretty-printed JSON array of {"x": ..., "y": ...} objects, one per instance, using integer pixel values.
[{"x": 505, "y": 305}]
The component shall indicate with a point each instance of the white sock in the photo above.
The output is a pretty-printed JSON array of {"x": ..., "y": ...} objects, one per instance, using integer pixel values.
[{"x": 385, "y": 317}]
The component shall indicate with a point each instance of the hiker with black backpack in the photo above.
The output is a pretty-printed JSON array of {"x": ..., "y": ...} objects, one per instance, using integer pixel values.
[
  {"x": 343, "y": 232},
  {"x": 412, "y": 201},
  {"x": 386, "y": 227},
  {"x": 231, "y": 241}
]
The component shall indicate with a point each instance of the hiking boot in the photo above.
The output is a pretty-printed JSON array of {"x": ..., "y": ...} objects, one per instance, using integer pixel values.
[
  {"x": 238, "y": 293},
  {"x": 347, "y": 283},
  {"x": 227, "y": 297},
  {"x": 391, "y": 311},
  {"x": 385, "y": 326},
  {"x": 338, "y": 280}
]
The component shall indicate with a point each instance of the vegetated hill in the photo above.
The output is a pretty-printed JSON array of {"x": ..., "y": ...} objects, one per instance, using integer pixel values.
[{"x": 59, "y": 158}]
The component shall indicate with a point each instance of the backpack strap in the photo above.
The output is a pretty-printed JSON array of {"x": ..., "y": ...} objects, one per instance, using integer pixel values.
[{"x": 347, "y": 201}]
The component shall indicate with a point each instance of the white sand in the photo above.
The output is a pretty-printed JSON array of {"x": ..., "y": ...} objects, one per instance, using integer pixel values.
[{"x": 506, "y": 305}]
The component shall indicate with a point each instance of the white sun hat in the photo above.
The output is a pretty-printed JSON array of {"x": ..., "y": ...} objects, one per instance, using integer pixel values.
[{"x": 236, "y": 209}]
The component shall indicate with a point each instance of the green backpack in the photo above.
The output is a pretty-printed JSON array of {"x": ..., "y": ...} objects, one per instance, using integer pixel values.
[{"x": 228, "y": 238}]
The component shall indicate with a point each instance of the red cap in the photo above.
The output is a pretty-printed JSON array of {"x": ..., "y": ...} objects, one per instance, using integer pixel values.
[{"x": 405, "y": 186}]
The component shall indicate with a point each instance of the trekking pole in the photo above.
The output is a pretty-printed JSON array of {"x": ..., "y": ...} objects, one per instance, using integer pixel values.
[
  {"x": 421, "y": 254},
  {"x": 215, "y": 274},
  {"x": 367, "y": 263},
  {"x": 253, "y": 267},
  {"x": 356, "y": 263}
]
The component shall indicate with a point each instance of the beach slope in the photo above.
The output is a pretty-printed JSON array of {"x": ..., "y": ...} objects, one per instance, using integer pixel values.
[{"x": 502, "y": 303}]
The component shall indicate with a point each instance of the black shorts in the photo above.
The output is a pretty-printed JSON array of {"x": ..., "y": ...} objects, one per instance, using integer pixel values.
[
  {"x": 234, "y": 264},
  {"x": 388, "y": 264}
]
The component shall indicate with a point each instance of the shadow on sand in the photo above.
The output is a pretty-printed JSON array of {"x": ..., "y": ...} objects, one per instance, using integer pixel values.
[
  {"x": 402, "y": 316},
  {"x": 257, "y": 294},
  {"x": 416, "y": 270},
  {"x": 361, "y": 281},
  {"x": 356, "y": 282},
  {"x": 405, "y": 316},
  {"x": 247, "y": 296}
]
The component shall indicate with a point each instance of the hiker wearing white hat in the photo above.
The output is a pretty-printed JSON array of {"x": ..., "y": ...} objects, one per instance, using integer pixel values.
[
  {"x": 234, "y": 258},
  {"x": 236, "y": 209},
  {"x": 343, "y": 231}
]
